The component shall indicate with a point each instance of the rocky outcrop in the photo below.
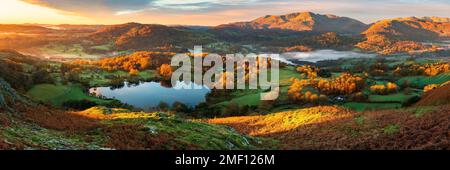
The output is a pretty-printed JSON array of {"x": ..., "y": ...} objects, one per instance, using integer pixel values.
[{"x": 9, "y": 97}]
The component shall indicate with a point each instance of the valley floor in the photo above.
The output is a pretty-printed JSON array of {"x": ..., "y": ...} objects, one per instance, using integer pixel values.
[{"x": 37, "y": 121}]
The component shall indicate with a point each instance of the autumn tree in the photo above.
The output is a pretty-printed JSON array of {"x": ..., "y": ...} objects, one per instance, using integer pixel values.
[
  {"x": 165, "y": 71},
  {"x": 430, "y": 87},
  {"x": 391, "y": 87},
  {"x": 137, "y": 61},
  {"x": 134, "y": 72},
  {"x": 343, "y": 85},
  {"x": 302, "y": 90},
  {"x": 296, "y": 89},
  {"x": 384, "y": 89},
  {"x": 424, "y": 69},
  {"x": 311, "y": 72}
]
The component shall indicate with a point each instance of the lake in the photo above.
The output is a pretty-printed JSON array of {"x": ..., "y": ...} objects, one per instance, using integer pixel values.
[
  {"x": 320, "y": 55},
  {"x": 149, "y": 94}
]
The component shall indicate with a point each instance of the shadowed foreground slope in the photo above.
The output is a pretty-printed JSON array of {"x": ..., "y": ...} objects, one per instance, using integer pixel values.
[
  {"x": 329, "y": 127},
  {"x": 102, "y": 128},
  {"x": 440, "y": 95}
]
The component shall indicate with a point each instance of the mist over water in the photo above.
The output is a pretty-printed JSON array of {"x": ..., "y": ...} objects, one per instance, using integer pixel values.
[{"x": 320, "y": 55}]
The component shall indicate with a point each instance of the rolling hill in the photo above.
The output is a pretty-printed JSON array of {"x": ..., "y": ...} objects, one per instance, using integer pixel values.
[
  {"x": 19, "y": 28},
  {"x": 413, "y": 29},
  {"x": 146, "y": 36},
  {"x": 303, "y": 21},
  {"x": 404, "y": 34},
  {"x": 19, "y": 70}
]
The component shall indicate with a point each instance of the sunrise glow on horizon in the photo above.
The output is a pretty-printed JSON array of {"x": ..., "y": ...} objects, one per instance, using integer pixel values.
[
  {"x": 202, "y": 12},
  {"x": 18, "y": 12}
]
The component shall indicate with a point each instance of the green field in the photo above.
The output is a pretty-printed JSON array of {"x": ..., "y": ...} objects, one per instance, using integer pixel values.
[
  {"x": 58, "y": 94},
  {"x": 286, "y": 74},
  {"x": 249, "y": 100},
  {"x": 398, "y": 97},
  {"x": 421, "y": 81},
  {"x": 148, "y": 74},
  {"x": 252, "y": 98},
  {"x": 371, "y": 106}
]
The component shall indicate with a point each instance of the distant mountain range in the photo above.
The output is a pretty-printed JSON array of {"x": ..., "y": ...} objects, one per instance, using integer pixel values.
[
  {"x": 24, "y": 28},
  {"x": 305, "y": 28}
]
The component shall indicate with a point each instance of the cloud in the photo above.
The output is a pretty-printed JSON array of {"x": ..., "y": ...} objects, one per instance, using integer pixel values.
[
  {"x": 122, "y": 5},
  {"x": 201, "y": 4},
  {"x": 127, "y": 12},
  {"x": 213, "y": 12},
  {"x": 92, "y": 7}
]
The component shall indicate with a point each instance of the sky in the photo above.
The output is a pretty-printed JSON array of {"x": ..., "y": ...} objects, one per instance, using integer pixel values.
[{"x": 206, "y": 12}]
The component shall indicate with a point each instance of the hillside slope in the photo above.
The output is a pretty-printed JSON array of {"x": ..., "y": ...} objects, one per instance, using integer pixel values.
[
  {"x": 28, "y": 125},
  {"x": 22, "y": 71},
  {"x": 438, "y": 96},
  {"x": 404, "y": 34},
  {"x": 303, "y": 21},
  {"x": 329, "y": 127},
  {"x": 103, "y": 128},
  {"x": 147, "y": 36},
  {"x": 414, "y": 29}
]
